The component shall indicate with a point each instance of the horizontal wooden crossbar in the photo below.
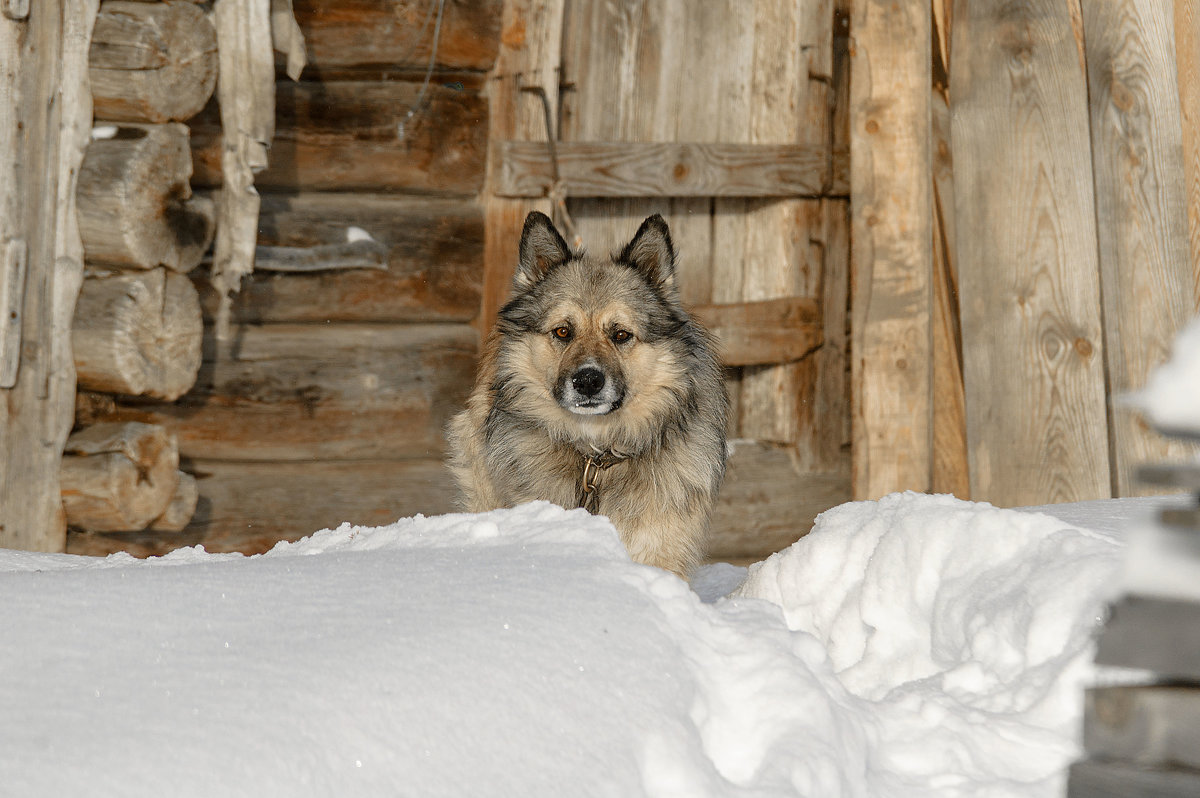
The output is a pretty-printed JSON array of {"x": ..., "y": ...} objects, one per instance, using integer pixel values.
[
  {"x": 670, "y": 169},
  {"x": 763, "y": 333}
]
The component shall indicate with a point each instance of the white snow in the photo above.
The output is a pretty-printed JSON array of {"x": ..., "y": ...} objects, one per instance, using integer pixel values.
[
  {"x": 914, "y": 646},
  {"x": 1168, "y": 399}
]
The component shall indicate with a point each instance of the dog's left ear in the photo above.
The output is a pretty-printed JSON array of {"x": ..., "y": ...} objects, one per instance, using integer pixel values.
[{"x": 652, "y": 253}]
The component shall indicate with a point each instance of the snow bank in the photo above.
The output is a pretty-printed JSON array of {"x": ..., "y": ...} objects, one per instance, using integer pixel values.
[
  {"x": 1169, "y": 398},
  {"x": 914, "y": 646},
  {"x": 964, "y": 630}
]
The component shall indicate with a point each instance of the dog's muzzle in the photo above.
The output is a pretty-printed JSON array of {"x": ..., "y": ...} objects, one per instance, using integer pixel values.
[{"x": 588, "y": 391}]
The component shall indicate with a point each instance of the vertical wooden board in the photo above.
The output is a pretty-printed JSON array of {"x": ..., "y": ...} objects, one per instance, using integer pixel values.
[
  {"x": 1141, "y": 201},
  {"x": 950, "y": 472},
  {"x": 35, "y": 414},
  {"x": 891, "y": 246},
  {"x": 529, "y": 56},
  {"x": 789, "y": 92},
  {"x": 1028, "y": 271},
  {"x": 1187, "y": 60}
]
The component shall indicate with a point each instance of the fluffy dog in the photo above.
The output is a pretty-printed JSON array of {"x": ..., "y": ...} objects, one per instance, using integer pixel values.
[{"x": 598, "y": 390}]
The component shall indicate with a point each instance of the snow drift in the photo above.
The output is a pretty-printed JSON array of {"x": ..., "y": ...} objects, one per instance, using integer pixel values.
[{"x": 913, "y": 646}]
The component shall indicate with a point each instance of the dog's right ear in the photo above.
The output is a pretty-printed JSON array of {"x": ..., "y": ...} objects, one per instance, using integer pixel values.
[{"x": 542, "y": 248}]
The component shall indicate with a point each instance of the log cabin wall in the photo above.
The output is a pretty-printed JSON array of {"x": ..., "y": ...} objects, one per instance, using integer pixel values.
[{"x": 352, "y": 342}]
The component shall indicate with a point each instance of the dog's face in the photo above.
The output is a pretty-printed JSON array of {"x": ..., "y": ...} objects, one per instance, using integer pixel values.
[{"x": 590, "y": 344}]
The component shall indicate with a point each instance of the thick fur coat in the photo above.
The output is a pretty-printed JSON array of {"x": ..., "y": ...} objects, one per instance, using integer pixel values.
[{"x": 597, "y": 389}]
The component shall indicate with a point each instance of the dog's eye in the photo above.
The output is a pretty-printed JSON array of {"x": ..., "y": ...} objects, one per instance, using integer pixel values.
[
  {"x": 562, "y": 333},
  {"x": 621, "y": 336}
]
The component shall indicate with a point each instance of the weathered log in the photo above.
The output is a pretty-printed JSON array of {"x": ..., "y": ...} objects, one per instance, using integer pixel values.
[
  {"x": 136, "y": 208},
  {"x": 305, "y": 392},
  {"x": 138, "y": 333},
  {"x": 118, "y": 477},
  {"x": 248, "y": 507},
  {"x": 432, "y": 256},
  {"x": 357, "y": 136},
  {"x": 152, "y": 62},
  {"x": 401, "y": 34},
  {"x": 181, "y": 508}
]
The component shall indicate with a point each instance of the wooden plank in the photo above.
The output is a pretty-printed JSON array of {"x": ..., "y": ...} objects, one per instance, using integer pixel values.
[
  {"x": 1094, "y": 779},
  {"x": 765, "y": 332},
  {"x": 768, "y": 501},
  {"x": 527, "y": 63},
  {"x": 1155, "y": 634},
  {"x": 356, "y": 136},
  {"x": 371, "y": 36},
  {"x": 433, "y": 251},
  {"x": 1029, "y": 290},
  {"x": 248, "y": 507},
  {"x": 891, "y": 246},
  {"x": 1141, "y": 208},
  {"x": 1187, "y": 61},
  {"x": 47, "y": 53},
  {"x": 317, "y": 392},
  {"x": 1150, "y": 725},
  {"x": 950, "y": 461},
  {"x": 667, "y": 169}
]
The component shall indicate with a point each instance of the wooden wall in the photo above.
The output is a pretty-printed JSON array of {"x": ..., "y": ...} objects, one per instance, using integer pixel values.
[
  {"x": 975, "y": 216},
  {"x": 329, "y": 402},
  {"x": 1059, "y": 268}
]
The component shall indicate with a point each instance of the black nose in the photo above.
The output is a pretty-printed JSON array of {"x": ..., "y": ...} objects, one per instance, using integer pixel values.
[{"x": 588, "y": 381}]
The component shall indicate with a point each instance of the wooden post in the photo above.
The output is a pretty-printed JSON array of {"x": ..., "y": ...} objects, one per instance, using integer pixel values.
[
  {"x": 528, "y": 62},
  {"x": 891, "y": 246},
  {"x": 49, "y": 98},
  {"x": 1029, "y": 290},
  {"x": 1141, "y": 204}
]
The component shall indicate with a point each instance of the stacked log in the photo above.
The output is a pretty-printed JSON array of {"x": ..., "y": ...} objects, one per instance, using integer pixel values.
[
  {"x": 138, "y": 327},
  {"x": 353, "y": 340}
]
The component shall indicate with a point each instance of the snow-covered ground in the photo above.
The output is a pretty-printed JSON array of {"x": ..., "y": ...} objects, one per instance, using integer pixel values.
[{"x": 914, "y": 646}]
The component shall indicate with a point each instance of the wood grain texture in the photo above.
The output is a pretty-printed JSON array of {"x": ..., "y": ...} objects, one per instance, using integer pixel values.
[
  {"x": 667, "y": 169},
  {"x": 1097, "y": 779},
  {"x": 136, "y": 208},
  {"x": 137, "y": 333},
  {"x": 316, "y": 392},
  {"x": 1150, "y": 725},
  {"x": 1187, "y": 62},
  {"x": 770, "y": 331},
  {"x": 356, "y": 136},
  {"x": 118, "y": 477},
  {"x": 47, "y": 55},
  {"x": 248, "y": 507},
  {"x": 768, "y": 501},
  {"x": 1028, "y": 273},
  {"x": 1141, "y": 209},
  {"x": 152, "y": 62},
  {"x": 950, "y": 461},
  {"x": 529, "y": 58},
  {"x": 433, "y": 253},
  {"x": 348, "y": 36},
  {"x": 891, "y": 247}
]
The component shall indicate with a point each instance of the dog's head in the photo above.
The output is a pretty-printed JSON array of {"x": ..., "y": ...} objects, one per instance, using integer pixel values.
[{"x": 594, "y": 342}]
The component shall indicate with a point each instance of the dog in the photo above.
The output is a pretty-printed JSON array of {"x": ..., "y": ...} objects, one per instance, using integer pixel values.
[{"x": 596, "y": 389}]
